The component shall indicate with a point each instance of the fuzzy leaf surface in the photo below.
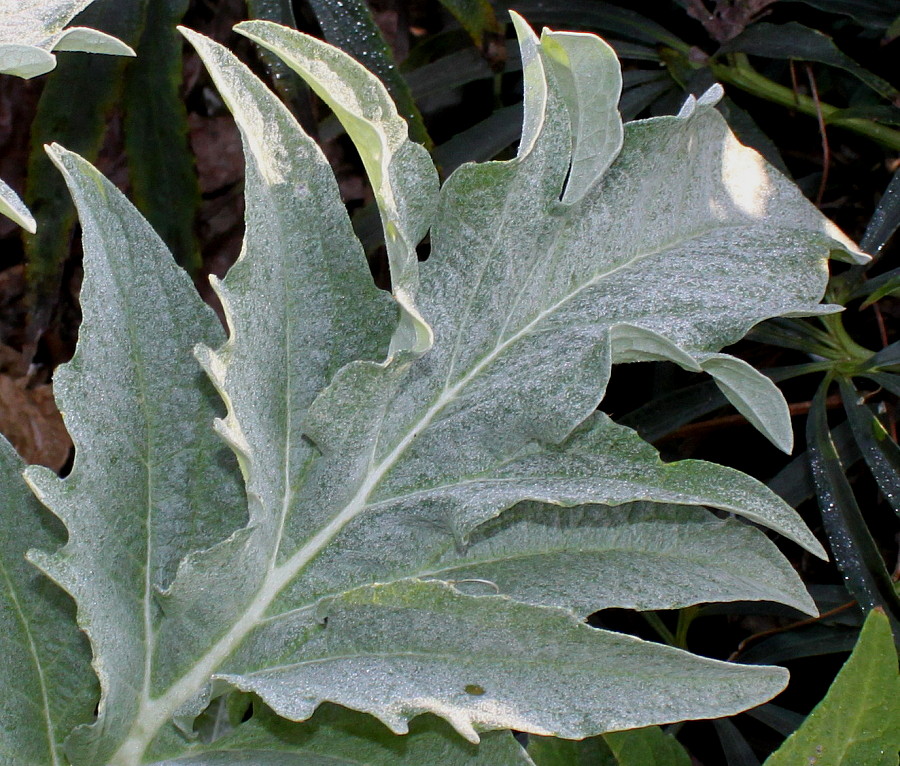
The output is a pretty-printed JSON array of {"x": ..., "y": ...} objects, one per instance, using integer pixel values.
[
  {"x": 151, "y": 482},
  {"x": 370, "y": 460},
  {"x": 12, "y": 207},
  {"x": 45, "y": 671},
  {"x": 593, "y": 557},
  {"x": 31, "y": 29}
]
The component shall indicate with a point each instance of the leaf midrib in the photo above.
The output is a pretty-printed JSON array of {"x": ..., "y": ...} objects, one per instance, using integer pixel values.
[{"x": 154, "y": 714}]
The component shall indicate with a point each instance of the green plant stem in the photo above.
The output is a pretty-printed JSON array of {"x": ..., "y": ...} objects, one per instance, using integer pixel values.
[
  {"x": 741, "y": 74},
  {"x": 660, "y": 627},
  {"x": 685, "y": 619},
  {"x": 853, "y": 355}
]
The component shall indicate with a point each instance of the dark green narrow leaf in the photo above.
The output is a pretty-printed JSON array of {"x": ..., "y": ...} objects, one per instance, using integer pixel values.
[
  {"x": 880, "y": 451},
  {"x": 456, "y": 69},
  {"x": 792, "y": 333},
  {"x": 883, "y": 113},
  {"x": 626, "y": 50},
  {"x": 886, "y": 380},
  {"x": 482, "y": 141},
  {"x": 668, "y": 412},
  {"x": 809, "y": 641},
  {"x": 285, "y": 81},
  {"x": 736, "y": 748},
  {"x": 162, "y": 174},
  {"x": 872, "y": 14},
  {"x": 893, "y": 31},
  {"x": 782, "y": 720},
  {"x": 604, "y": 17},
  {"x": 796, "y": 41},
  {"x": 349, "y": 25},
  {"x": 885, "y": 219},
  {"x": 889, "y": 286},
  {"x": 852, "y": 546},
  {"x": 476, "y": 16},
  {"x": 279, "y": 11},
  {"x": 636, "y": 99},
  {"x": 794, "y": 484},
  {"x": 888, "y": 356},
  {"x": 73, "y": 110},
  {"x": 664, "y": 414}
]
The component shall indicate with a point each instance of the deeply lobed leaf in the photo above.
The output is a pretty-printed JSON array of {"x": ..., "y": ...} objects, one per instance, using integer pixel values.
[
  {"x": 379, "y": 477},
  {"x": 45, "y": 672}
]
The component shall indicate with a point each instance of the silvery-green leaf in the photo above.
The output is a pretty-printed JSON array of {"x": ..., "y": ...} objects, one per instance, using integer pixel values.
[
  {"x": 91, "y": 41},
  {"x": 31, "y": 29},
  {"x": 486, "y": 662},
  {"x": 506, "y": 282},
  {"x": 402, "y": 533},
  {"x": 751, "y": 392},
  {"x": 335, "y": 735},
  {"x": 151, "y": 482},
  {"x": 401, "y": 172},
  {"x": 25, "y": 61},
  {"x": 12, "y": 207},
  {"x": 361, "y": 471},
  {"x": 328, "y": 313},
  {"x": 590, "y": 83},
  {"x": 642, "y": 556},
  {"x": 45, "y": 670},
  {"x": 754, "y": 395}
]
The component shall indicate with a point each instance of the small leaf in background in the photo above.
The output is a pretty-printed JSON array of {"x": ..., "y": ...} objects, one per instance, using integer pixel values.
[
  {"x": 854, "y": 550},
  {"x": 878, "y": 449},
  {"x": 646, "y": 747},
  {"x": 796, "y": 41},
  {"x": 162, "y": 170},
  {"x": 476, "y": 16},
  {"x": 858, "y": 722},
  {"x": 73, "y": 110}
]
